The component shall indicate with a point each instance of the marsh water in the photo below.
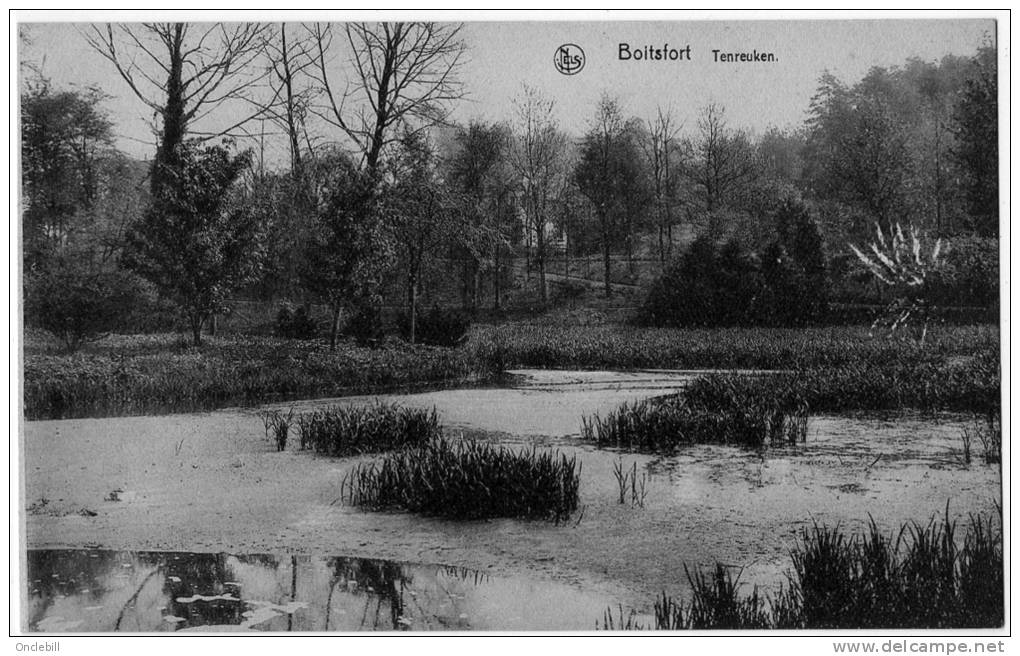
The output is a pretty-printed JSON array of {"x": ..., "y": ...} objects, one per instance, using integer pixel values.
[
  {"x": 210, "y": 528},
  {"x": 107, "y": 591}
]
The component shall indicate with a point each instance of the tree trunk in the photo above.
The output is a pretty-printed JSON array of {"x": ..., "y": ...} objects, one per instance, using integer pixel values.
[
  {"x": 607, "y": 264},
  {"x": 196, "y": 329},
  {"x": 334, "y": 329},
  {"x": 497, "y": 281},
  {"x": 213, "y": 325},
  {"x": 412, "y": 301},
  {"x": 540, "y": 237}
]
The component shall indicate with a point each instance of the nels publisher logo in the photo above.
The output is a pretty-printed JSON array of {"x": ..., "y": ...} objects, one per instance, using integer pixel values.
[{"x": 569, "y": 59}]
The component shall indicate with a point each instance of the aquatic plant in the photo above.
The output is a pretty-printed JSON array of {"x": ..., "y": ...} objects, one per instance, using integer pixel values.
[
  {"x": 279, "y": 424},
  {"x": 467, "y": 480},
  {"x": 923, "y": 576},
  {"x": 721, "y": 409},
  {"x": 352, "y": 430}
]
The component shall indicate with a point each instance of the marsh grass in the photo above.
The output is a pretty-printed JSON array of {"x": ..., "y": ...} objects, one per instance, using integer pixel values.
[
  {"x": 627, "y": 480},
  {"x": 467, "y": 480},
  {"x": 922, "y": 577},
  {"x": 151, "y": 374},
  {"x": 740, "y": 410},
  {"x": 352, "y": 430},
  {"x": 278, "y": 423}
]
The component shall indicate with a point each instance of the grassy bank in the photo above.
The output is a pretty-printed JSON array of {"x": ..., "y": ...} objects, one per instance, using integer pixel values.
[
  {"x": 616, "y": 346},
  {"x": 834, "y": 369},
  {"x": 159, "y": 373},
  {"x": 839, "y": 369}
]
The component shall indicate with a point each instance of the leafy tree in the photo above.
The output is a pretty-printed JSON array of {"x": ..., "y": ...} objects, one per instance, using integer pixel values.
[
  {"x": 65, "y": 138},
  {"x": 348, "y": 250},
  {"x": 420, "y": 215},
  {"x": 977, "y": 130},
  {"x": 193, "y": 243}
]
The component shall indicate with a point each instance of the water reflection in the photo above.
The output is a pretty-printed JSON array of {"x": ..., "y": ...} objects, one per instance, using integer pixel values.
[{"x": 96, "y": 590}]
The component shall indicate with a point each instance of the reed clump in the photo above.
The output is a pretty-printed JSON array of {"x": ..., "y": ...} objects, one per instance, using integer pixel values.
[
  {"x": 467, "y": 480},
  {"x": 353, "y": 430},
  {"x": 923, "y": 577},
  {"x": 739, "y": 410}
]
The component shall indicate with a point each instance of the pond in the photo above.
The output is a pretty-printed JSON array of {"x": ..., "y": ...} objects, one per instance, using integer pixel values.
[
  {"x": 212, "y": 483},
  {"x": 83, "y": 590}
]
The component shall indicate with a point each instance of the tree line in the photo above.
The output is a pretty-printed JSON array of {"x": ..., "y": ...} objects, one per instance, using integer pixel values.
[{"x": 379, "y": 186}]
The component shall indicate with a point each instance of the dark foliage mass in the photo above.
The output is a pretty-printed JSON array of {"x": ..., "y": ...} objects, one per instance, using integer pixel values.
[
  {"x": 437, "y": 327},
  {"x": 923, "y": 577},
  {"x": 77, "y": 304},
  {"x": 295, "y": 323},
  {"x": 727, "y": 285}
]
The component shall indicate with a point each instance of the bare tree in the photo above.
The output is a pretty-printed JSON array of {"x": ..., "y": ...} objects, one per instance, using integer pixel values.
[
  {"x": 608, "y": 174},
  {"x": 723, "y": 160},
  {"x": 662, "y": 147},
  {"x": 290, "y": 58},
  {"x": 537, "y": 159},
  {"x": 402, "y": 73},
  {"x": 184, "y": 73}
]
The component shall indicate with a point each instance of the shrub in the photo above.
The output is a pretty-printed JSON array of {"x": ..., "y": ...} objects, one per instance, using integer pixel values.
[
  {"x": 437, "y": 327},
  {"x": 712, "y": 285},
  {"x": 739, "y": 410},
  {"x": 77, "y": 304},
  {"x": 352, "y": 430},
  {"x": 467, "y": 480},
  {"x": 295, "y": 323},
  {"x": 365, "y": 325}
]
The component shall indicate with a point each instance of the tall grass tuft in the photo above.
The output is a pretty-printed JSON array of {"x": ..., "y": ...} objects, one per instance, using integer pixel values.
[
  {"x": 467, "y": 480},
  {"x": 748, "y": 411},
  {"x": 352, "y": 430},
  {"x": 922, "y": 577}
]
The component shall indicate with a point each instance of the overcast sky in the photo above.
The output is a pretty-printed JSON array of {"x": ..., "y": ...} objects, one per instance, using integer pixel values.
[{"x": 503, "y": 56}]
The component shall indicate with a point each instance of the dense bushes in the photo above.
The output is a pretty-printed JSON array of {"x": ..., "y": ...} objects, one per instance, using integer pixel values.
[
  {"x": 436, "y": 327},
  {"x": 727, "y": 285},
  {"x": 295, "y": 323},
  {"x": 77, "y": 304},
  {"x": 467, "y": 480}
]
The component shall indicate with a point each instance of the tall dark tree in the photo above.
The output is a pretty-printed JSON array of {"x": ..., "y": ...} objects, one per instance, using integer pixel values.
[{"x": 193, "y": 243}]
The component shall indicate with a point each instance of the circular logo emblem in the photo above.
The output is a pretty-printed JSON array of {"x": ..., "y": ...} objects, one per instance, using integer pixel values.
[{"x": 569, "y": 59}]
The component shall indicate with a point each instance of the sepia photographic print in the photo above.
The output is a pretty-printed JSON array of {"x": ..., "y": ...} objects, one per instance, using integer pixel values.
[{"x": 579, "y": 322}]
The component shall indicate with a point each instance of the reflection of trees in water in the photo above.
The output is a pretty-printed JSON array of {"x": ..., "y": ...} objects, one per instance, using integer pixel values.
[
  {"x": 379, "y": 579},
  {"x": 189, "y": 574},
  {"x": 138, "y": 589}
]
